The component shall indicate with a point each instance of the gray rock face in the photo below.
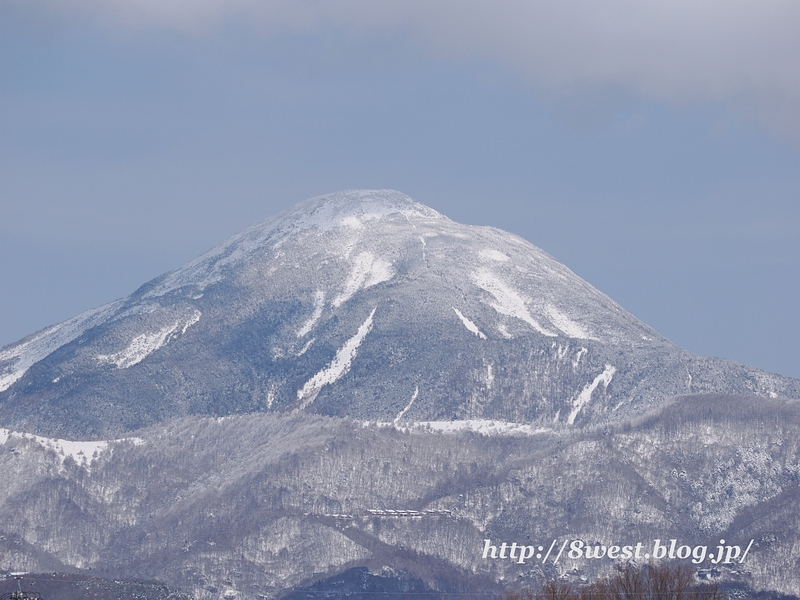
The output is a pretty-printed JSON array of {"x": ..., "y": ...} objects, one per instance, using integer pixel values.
[{"x": 364, "y": 304}]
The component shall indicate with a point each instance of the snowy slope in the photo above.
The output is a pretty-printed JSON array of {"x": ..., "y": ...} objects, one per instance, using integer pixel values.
[
  {"x": 350, "y": 305},
  {"x": 17, "y": 358}
]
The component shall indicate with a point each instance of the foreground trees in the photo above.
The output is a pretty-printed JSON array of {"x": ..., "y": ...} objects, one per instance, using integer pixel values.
[{"x": 647, "y": 582}]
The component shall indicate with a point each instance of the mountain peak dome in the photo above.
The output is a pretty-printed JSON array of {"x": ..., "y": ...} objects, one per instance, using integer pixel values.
[
  {"x": 363, "y": 304},
  {"x": 349, "y": 209}
]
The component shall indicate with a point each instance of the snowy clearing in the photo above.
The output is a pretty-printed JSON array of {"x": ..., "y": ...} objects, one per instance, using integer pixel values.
[{"x": 83, "y": 453}]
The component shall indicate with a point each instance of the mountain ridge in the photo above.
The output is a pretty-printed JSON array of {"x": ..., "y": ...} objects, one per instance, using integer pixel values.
[{"x": 362, "y": 303}]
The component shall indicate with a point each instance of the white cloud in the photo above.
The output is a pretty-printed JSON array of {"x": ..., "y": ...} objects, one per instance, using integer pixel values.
[{"x": 744, "y": 54}]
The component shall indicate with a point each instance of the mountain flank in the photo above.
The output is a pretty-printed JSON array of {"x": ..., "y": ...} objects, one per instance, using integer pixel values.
[{"x": 361, "y": 304}]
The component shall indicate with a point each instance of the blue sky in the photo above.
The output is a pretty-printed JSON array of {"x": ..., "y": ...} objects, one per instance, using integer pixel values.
[{"x": 654, "y": 148}]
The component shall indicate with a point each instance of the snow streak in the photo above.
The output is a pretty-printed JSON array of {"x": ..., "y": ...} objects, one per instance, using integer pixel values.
[
  {"x": 319, "y": 304},
  {"x": 469, "y": 324},
  {"x": 145, "y": 344},
  {"x": 405, "y": 410},
  {"x": 565, "y": 324},
  {"x": 339, "y": 366},
  {"x": 586, "y": 394},
  {"x": 507, "y": 300}
]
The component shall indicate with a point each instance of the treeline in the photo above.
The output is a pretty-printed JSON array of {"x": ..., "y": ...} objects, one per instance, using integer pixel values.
[{"x": 73, "y": 586}]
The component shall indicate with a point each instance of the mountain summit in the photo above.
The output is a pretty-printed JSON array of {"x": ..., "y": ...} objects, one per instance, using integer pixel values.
[
  {"x": 362, "y": 303},
  {"x": 488, "y": 397}
]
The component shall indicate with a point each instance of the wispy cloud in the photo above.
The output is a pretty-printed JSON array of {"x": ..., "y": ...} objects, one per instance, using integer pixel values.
[{"x": 743, "y": 54}]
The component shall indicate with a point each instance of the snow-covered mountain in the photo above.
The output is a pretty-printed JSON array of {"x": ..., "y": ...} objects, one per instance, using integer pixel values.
[
  {"x": 364, "y": 304},
  {"x": 361, "y": 383}
]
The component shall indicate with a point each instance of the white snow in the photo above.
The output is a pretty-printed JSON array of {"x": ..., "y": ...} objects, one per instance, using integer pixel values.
[
  {"x": 483, "y": 426},
  {"x": 469, "y": 324},
  {"x": 350, "y": 208},
  {"x": 586, "y": 394},
  {"x": 305, "y": 348},
  {"x": 501, "y": 327},
  {"x": 578, "y": 355},
  {"x": 565, "y": 324},
  {"x": 29, "y": 352},
  {"x": 353, "y": 222},
  {"x": 405, "y": 410},
  {"x": 353, "y": 207},
  {"x": 338, "y": 367},
  {"x": 368, "y": 270},
  {"x": 319, "y": 304},
  {"x": 83, "y": 453},
  {"x": 507, "y": 300},
  {"x": 493, "y": 254},
  {"x": 145, "y": 344}
]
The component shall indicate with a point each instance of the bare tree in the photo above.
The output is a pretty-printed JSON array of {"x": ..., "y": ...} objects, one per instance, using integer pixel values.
[{"x": 631, "y": 582}]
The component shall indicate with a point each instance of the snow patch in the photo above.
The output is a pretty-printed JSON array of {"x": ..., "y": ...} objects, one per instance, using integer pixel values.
[
  {"x": 483, "y": 426},
  {"x": 353, "y": 222},
  {"x": 469, "y": 324},
  {"x": 405, "y": 410},
  {"x": 766, "y": 383},
  {"x": 22, "y": 356},
  {"x": 492, "y": 254},
  {"x": 338, "y": 367},
  {"x": 83, "y": 453},
  {"x": 367, "y": 271},
  {"x": 501, "y": 327},
  {"x": 319, "y": 304},
  {"x": 565, "y": 324},
  {"x": 586, "y": 394},
  {"x": 145, "y": 344},
  {"x": 578, "y": 355},
  {"x": 507, "y": 300}
]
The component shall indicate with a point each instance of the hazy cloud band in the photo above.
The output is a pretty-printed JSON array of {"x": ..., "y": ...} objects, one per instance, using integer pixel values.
[{"x": 743, "y": 54}]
